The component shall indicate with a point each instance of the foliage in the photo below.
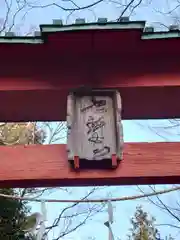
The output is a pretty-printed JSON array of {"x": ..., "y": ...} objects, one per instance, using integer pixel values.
[
  {"x": 143, "y": 226},
  {"x": 12, "y": 216},
  {"x": 171, "y": 208},
  {"x": 70, "y": 217},
  {"x": 14, "y": 14},
  {"x": 13, "y": 212},
  {"x": 21, "y": 133}
]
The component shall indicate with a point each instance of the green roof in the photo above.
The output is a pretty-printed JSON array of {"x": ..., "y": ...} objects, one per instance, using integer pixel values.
[
  {"x": 93, "y": 26},
  {"x": 80, "y": 25}
]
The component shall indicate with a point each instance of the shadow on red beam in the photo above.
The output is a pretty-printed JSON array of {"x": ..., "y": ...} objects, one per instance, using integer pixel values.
[
  {"x": 50, "y": 105},
  {"x": 47, "y": 165}
]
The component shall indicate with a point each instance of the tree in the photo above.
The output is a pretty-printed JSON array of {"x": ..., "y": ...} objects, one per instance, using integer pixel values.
[
  {"x": 15, "y": 13},
  {"x": 21, "y": 133},
  {"x": 13, "y": 212},
  {"x": 143, "y": 226},
  {"x": 14, "y": 18},
  {"x": 171, "y": 209},
  {"x": 71, "y": 217},
  {"x": 12, "y": 215}
]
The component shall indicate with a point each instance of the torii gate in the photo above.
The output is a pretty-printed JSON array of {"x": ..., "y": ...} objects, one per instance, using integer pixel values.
[{"x": 38, "y": 72}]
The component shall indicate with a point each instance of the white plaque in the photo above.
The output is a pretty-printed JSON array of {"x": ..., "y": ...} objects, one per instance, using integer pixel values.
[{"x": 94, "y": 126}]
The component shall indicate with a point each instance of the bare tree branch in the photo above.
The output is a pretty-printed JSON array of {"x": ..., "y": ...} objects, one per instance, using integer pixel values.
[
  {"x": 68, "y": 228},
  {"x": 167, "y": 225},
  {"x": 8, "y": 6},
  {"x": 135, "y": 6},
  {"x": 15, "y": 16},
  {"x": 128, "y": 6},
  {"x": 76, "y": 8},
  {"x": 172, "y": 10},
  {"x": 161, "y": 205}
]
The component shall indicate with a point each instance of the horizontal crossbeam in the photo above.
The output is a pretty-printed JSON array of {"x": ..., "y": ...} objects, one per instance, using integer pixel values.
[
  {"x": 47, "y": 165},
  {"x": 150, "y": 90},
  {"x": 35, "y": 79}
]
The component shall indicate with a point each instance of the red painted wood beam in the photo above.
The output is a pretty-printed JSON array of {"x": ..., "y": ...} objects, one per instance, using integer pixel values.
[
  {"x": 150, "y": 89},
  {"x": 47, "y": 165},
  {"x": 60, "y": 44},
  {"x": 35, "y": 79}
]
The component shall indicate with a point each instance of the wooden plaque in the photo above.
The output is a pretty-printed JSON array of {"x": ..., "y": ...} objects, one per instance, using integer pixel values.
[{"x": 94, "y": 126}]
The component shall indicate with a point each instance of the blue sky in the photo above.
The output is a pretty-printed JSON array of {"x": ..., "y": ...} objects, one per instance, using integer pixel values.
[
  {"x": 135, "y": 131},
  {"x": 149, "y": 12}
]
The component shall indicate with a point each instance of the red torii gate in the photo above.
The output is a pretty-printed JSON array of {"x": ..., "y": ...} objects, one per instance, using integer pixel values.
[{"x": 37, "y": 74}]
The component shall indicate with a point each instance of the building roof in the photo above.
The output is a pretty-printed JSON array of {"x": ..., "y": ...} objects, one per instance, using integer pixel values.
[
  {"x": 80, "y": 25},
  {"x": 37, "y": 77}
]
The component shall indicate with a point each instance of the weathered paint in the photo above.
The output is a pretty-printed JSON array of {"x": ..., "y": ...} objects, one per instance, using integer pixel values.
[
  {"x": 47, "y": 165},
  {"x": 94, "y": 124},
  {"x": 119, "y": 125}
]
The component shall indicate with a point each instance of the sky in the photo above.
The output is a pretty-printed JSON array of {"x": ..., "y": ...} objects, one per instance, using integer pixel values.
[
  {"x": 134, "y": 131},
  {"x": 123, "y": 210},
  {"x": 26, "y": 21}
]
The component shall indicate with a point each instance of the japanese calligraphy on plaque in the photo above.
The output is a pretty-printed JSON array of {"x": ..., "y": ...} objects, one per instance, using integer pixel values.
[{"x": 94, "y": 126}]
